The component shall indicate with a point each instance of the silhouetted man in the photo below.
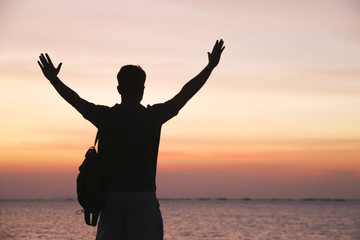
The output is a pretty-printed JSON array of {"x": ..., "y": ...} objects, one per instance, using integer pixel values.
[{"x": 129, "y": 135}]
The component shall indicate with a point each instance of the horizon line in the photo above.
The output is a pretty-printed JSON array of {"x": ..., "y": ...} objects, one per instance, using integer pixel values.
[{"x": 203, "y": 199}]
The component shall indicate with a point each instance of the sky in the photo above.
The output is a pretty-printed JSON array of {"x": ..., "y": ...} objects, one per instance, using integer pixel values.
[{"x": 278, "y": 118}]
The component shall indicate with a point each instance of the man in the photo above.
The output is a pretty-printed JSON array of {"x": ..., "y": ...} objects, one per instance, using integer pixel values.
[{"x": 129, "y": 137}]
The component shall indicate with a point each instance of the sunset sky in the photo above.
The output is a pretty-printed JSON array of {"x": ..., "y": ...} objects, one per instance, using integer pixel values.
[{"x": 278, "y": 118}]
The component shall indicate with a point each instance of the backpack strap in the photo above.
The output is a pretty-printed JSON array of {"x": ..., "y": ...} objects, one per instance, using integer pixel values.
[{"x": 96, "y": 138}]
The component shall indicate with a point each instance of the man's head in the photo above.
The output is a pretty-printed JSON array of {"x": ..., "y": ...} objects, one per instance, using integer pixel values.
[{"x": 131, "y": 81}]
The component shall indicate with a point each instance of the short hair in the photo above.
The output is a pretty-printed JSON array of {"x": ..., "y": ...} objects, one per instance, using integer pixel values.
[{"x": 131, "y": 78}]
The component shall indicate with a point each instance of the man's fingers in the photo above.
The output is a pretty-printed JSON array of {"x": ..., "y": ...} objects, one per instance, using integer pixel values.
[
  {"x": 218, "y": 47},
  {"x": 48, "y": 59},
  {"x": 46, "y": 62},
  {"x": 43, "y": 60},
  {"x": 220, "y": 44},
  {"x": 58, "y": 68},
  {"x": 41, "y": 66}
]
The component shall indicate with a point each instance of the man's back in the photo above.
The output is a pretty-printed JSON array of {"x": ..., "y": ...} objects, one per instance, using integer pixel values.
[{"x": 129, "y": 138}]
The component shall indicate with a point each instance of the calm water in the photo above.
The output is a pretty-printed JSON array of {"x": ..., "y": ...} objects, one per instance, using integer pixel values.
[{"x": 196, "y": 219}]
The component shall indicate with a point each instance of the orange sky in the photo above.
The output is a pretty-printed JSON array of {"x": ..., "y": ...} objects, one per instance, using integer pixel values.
[{"x": 279, "y": 117}]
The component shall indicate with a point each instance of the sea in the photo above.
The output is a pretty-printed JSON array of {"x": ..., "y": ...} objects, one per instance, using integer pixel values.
[{"x": 196, "y": 219}]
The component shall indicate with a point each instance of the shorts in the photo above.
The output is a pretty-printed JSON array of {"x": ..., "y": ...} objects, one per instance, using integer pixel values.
[{"x": 130, "y": 216}]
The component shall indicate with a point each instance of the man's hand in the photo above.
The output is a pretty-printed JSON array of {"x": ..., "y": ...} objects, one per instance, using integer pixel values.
[
  {"x": 214, "y": 56},
  {"x": 47, "y": 67}
]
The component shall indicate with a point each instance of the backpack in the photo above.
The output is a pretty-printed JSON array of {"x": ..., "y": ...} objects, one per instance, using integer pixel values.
[{"x": 90, "y": 185}]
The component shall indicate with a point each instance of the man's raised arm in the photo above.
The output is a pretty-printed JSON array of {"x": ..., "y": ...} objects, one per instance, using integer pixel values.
[
  {"x": 50, "y": 72},
  {"x": 194, "y": 85}
]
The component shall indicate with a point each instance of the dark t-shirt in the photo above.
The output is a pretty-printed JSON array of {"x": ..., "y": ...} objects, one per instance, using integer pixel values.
[{"x": 129, "y": 138}]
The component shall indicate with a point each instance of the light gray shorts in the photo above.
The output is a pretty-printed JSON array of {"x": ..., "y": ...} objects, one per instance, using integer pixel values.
[{"x": 130, "y": 216}]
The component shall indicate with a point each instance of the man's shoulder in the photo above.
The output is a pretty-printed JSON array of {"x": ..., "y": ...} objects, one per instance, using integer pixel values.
[
  {"x": 168, "y": 104},
  {"x": 163, "y": 111},
  {"x": 94, "y": 112},
  {"x": 99, "y": 109}
]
